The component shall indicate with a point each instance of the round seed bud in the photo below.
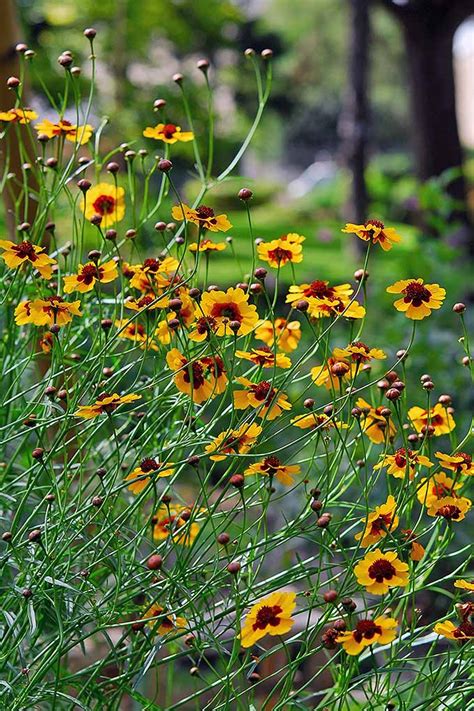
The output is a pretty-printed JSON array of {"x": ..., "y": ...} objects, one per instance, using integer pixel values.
[
  {"x": 96, "y": 220},
  {"x": 361, "y": 275},
  {"x": 234, "y": 326},
  {"x": 459, "y": 308},
  {"x": 266, "y": 53},
  {"x": 255, "y": 288},
  {"x": 29, "y": 54},
  {"x": 154, "y": 562},
  {"x": 175, "y": 304},
  {"x": 348, "y": 604},
  {"x": 413, "y": 438},
  {"x": 328, "y": 410},
  {"x": 402, "y": 354},
  {"x": 237, "y": 480},
  {"x": 392, "y": 394},
  {"x": 392, "y": 376},
  {"x": 315, "y": 492},
  {"x": 130, "y": 234},
  {"x": 90, "y": 33},
  {"x": 106, "y": 324},
  {"x": 324, "y": 520},
  {"x": 242, "y": 285},
  {"x": 21, "y": 48},
  {"x": 113, "y": 167},
  {"x": 94, "y": 255},
  {"x": 383, "y": 384},
  {"x": 249, "y": 52},
  {"x": 107, "y": 372},
  {"x": 340, "y": 369},
  {"x": 159, "y": 104},
  {"x": 428, "y": 385},
  {"x": 34, "y": 535},
  {"x": 445, "y": 400},
  {"x": 302, "y": 305},
  {"x": 194, "y": 671},
  {"x": 76, "y": 71},
  {"x": 37, "y": 453},
  {"x": 13, "y": 82},
  {"x": 165, "y": 165},
  {"x": 178, "y": 78},
  {"x": 65, "y": 60},
  {"x": 245, "y": 194},
  {"x": 49, "y": 498},
  {"x": 52, "y": 163},
  {"x": 62, "y": 395},
  {"x": 7, "y": 536},
  {"x": 203, "y": 65},
  {"x": 50, "y": 391},
  {"x": 308, "y": 403},
  {"x": 316, "y": 505},
  {"x": 193, "y": 460},
  {"x": 189, "y": 640},
  {"x": 425, "y": 377},
  {"x": 254, "y": 677},
  {"x": 233, "y": 567},
  {"x": 174, "y": 324},
  {"x": 466, "y": 361},
  {"x": 330, "y": 596},
  {"x": 130, "y": 155},
  {"x": 171, "y": 226},
  {"x": 194, "y": 293},
  {"x": 43, "y": 138},
  {"x": 385, "y": 412},
  {"x": 223, "y": 539},
  {"x": 160, "y": 226},
  {"x": 101, "y": 472},
  {"x": 260, "y": 273},
  {"x": 339, "y": 625},
  {"x": 399, "y": 385},
  {"x": 27, "y": 593}
]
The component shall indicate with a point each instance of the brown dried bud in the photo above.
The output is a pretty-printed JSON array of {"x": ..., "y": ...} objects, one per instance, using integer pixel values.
[
  {"x": 392, "y": 394},
  {"x": 233, "y": 568},
  {"x": 174, "y": 324},
  {"x": 308, "y": 403},
  {"x": 160, "y": 226},
  {"x": 385, "y": 412},
  {"x": 27, "y": 593},
  {"x": 175, "y": 304},
  {"x": 138, "y": 626},
  {"x": 255, "y": 288},
  {"x": 97, "y": 501},
  {"x": 466, "y": 361},
  {"x": 245, "y": 194},
  {"x": 260, "y": 273},
  {"x": 302, "y": 305},
  {"x": 339, "y": 625},
  {"x": 459, "y": 308},
  {"x": 330, "y": 596},
  {"x": 165, "y": 165},
  {"x": 7, "y": 536},
  {"x": 101, "y": 472},
  {"x": 223, "y": 539},
  {"x": 237, "y": 480},
  {"x": 328, "y": 410},
  {"x": 106, "y": 324},
  {"x": 324, "y": 520},
  {"x": 65, "y": 60},
  {"x": 52, "y": 163},
  {"x": 154, "y": 562},
  {"x": 96, "y": 220},
  {"x": 413, "y": 438},
  {"x": 445, "y": 400},
  {"x": 62, "y": 394},
  {"x": 392, "y": 376},
  {"x": 428, "y": 385},
  {"x": 399, "y": 385},
  {"x": 242, "y": 285},
  {"x": 94, "y": 255},
  {"x": 50, "y": 391},
  {"x": 35, "y": 535},
  {"x": 193, "y": 460},
  {"x": 348, "y": 604},
  {"x": 113, "y": 167},
  {"x": 13, "y": 82},
  {"x": 383, "y": 384},
  {"x": 316, "y": 505},
  {"x": 194, "y": 293},
  {"x": 361, "y": 275},
  {"x": 234, "y": 326},
  {"x": 37, "y": 453},
  {"x": 340, "y": 369},
  {"x": 402, "y": 354},
  {"x": 50, "y": 497},
  {"x": 90, "y": 33},
  {"x": 203, "y": 65},
  {"x": 107, "y": 372}
]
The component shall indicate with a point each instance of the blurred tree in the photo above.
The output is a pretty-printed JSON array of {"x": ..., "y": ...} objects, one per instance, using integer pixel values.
[{"x": 428, "y": 28}]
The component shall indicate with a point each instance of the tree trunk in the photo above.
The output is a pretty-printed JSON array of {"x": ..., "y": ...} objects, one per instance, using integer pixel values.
[{"x": 353, "y": 125}]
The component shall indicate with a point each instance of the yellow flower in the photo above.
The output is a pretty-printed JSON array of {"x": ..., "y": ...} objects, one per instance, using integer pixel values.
[
  {"x": 148, "y": 302},
  {"x": 377, "y": 427},
  {"x": 436, "y": 487},
  {"x": 459, "y": 462},
  {"x": 269, "y": 402},
  {"x": 88, "y": 274},
  {"x": 280, "y": 251},
  {"x": 378, "y": 572},
  {"x": 272, "y": 467},
  {"x": 287, "y": 334},
  {"x": 397, "y": 463},
  {"x": 207, "y": 245},
  {"x": 136, "y": 332},
  {"x": 46, "y": 312},
  {"x": 105, "y": 200},
  {"x": 450, "y": 508},
  {"x": 382, "y": 630},
  {"x": 379, "y": 523},
  {"x": 333, "y": 372},
  {"x": 153, "y": 272},
  {"x": 418, "y": 299},
  {"x": 229, "y": 307},
  {"x": 204, "y": 217},
  {"x": 15, "y": 255},
  {"x": 141, "y": 476},
  {"x": 105, "y": 403},
  {"x": 201, "y": 379},
  {"x": 359, "y": 352},
  {"x": 168, "y": 133},
  {"x": 462, "y": 633},
  {"x": 314, "y": 421},
  {"x": 464, "y": 584},
  {"x": 238, "y": 441},
  {"x": 162, "y": 622},
  {"x": 437, "y": 418},
  {"x": 325, "y": 300},
  {"x": 374, "y": 231},
  {"x": 265, "y": 357},
  {"x": 270, "y": 615},
  {"x": 71, "y": 132},
  {"x": 18, "y": 115},
  {"x": 174, "y": 521}
]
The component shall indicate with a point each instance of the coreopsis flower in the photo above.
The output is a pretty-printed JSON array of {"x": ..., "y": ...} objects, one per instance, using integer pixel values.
[
  {"x": 265, "y": 357},
  {"x": 168, "y": 522},
  {"x": 148, "y": 468},
  {"x": 320, "y": 307},
  {"x": 204, "y": 217},
  {"x": 418, "y": 299},
  {"x": 358, "y": 352},
  {"x": 105, "y": 200},
  {"x": 136, "y": 332},
  {"x": 464, "y": 584},
  {"x": 319, "y": 290},
  {"x": 286, "y": 334},
  {"x": 147, "y": 302},
  {"x": 459, "y": 462},
  {"x": 401, "y": 461},
  {"x": 378, "y": 523},
  {"x": 416, "y": 549},
  {"x": 163, "y": 622},
  {"x": 378, "y": 572},
  {"x": 207, "y": 245},
  {"x": 460, "y": 633},
  {"x": 226, "y": 307},
  {"x": 168, "y": 133},
  {"x": 436, "y": 487},
  {"x": 376, "y": 426},
  {"x": 70, "y": 131},
  {"x": 382, "y": 630},
  {"x": 18, "y": 115},
  {"x": 46, "y": 312},
  {"x": 201, "y": 379},
  {"x": 163, "y": 332},
  {"x": 375, "y": 232},
  {"x": 450, "y": 508},
  {"x": 333, "y": 372},
  {"x": 280, "y": 251},
  {"x": 105, "y": 403},
  {"x": 239, "y": 441},
  {"x": 153, "y": 272},
  {"x": 317, "y": 421},
  {"x": 272, "y": 467},
  {"x": 268, "y": 401},
  {"x": 437, "y": 418},
  {"x": 271, "y": 615},
  {"x": 46, "y": 342},
  {"x": 88, "y": 274},
  {"x": 15, "y": 255}
]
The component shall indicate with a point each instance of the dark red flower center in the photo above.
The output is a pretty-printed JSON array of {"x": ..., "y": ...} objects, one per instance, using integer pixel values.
[
  {"x": 271, "y": 465},
  {"x": 416, "y": 293},
  {"x": 205, "y": 324},
  {"x": 169, "y": 130},
  {"x": 214, "y": 364},
  {"x": 263, "y": 391},
  {"x": 194, "y": 374},
  {"x": 319, "y": 290},
  {"x": 381, "y": 570},
  {"x": 465, "y": 629},
  {"x": 366, "y": 629},
  {"x": 230, "y": 311},
  {"x": 206, "y": 214},
  {"x": 267, "y": 616},
  {"x": 89, "y": 272},
  {"x": 151, "y": 264},
  {"x": 26, "y": 250},
  {"x": 145, "y": 301},
  {"x": 104, "y": 205},
  {"x": 280, "y": 255},
  {"x": 360, "y": 357},
  {"x": 449, "y": 512},
  {"x": 400, "y": 457},
  {"x": 149, "y": 465},
  {"x": 382, "y": 523}
]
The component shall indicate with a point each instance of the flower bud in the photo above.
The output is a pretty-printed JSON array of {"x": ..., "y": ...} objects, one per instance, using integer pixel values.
[
  {"x": 324, "y": 520},
  {"x": 50, "y": 391},
  {"x": 459, "y": 308},
  {"x": 37, "y": 453},
  {"x": 339, "y": 625},
  {"x": 90, "y": 33},
  {"x": 106, "y": 324},
  {"x": 194, "y": 292},
  {"x": 316, "y": 505},
  {"x": 165, "y": 165},
  {"x": 65, "y": 60},
  {"x": 392, "y": 394},
  {"x": 428, "y": 385},
  {"x": 348, "y": 604},
  {"x": 399, "y": 385},
  {"x": 203, "y": 65},
  {"x": 234, "y": 326},
  {"x": 159, "y": 104},
  {"x": 13, "y": 82},
  {"x": 245, "y": 194},
  {"x": 35, "y": 535},
  {"x": 21, "y": 48},
  {"x": 266, "y": 54},
  {"x": 7, "y": 536},
  {"x": 445, "y": 400},
  {"x": 308, "y": 403},
  {"x": 330, "y": 596},
  {"x": 177, "y": 78},
  {"x": 160, "y": 226},
  {"x": 223, "y": 539},
  {"x": 302, "y": 305},
  {"x": 113, "y": 167},
  {"x": 97, "y": 501},
  {"x": 193, "y": 460},
  {"x": 260, "y": 273},
  {"x": 154, "y": 562},
  {"x": 361, "y": 275},
  {"x": 233, "y": 567},
  {"x": 237, "y": 480}
]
